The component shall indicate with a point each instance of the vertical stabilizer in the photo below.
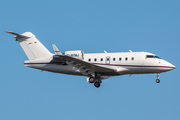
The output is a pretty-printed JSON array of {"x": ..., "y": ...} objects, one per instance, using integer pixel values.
[{"x": 32, "y": 47}]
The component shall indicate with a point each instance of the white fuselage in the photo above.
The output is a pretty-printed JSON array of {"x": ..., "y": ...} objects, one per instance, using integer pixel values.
[
  {"x": 96, "y": 66},
  {"x": 122, "y": 63}
]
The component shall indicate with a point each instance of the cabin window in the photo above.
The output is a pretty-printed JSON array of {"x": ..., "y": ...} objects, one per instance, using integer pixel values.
[
  {"x": 132, "y": 58},
  {"x": 95, "y": 59},
  {"x": 89, "y": 60},
  {"x": 114, "y": 59},
  {"x": 126, "y": 58},
  {"x": 119, "y": 59},
  {"x": 107, "y": 59},
  {"x": 101, "y": 59}
]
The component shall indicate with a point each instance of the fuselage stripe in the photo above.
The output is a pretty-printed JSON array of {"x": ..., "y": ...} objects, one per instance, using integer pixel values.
[
  {"x": 106, "y": 65},
  {"x": 132, "y": 65}
]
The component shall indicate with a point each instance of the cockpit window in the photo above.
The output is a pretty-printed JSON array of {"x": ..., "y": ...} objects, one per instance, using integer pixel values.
[
  {"x": 149, "y": 56},
  {"x": 152, "y": 56},
  {"x": 157, "y": 57}
]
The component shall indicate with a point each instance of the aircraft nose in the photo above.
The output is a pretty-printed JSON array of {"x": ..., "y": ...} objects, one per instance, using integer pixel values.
[
  {"x": 167, "y": 66},
  {"x": 171, "y": 66}
]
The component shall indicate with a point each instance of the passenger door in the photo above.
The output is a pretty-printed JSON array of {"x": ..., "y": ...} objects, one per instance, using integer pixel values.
[{"x": 108, "y": 60}]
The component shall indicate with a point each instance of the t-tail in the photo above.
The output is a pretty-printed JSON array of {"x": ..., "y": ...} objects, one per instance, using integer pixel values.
[{"x": 32, "y": 47}]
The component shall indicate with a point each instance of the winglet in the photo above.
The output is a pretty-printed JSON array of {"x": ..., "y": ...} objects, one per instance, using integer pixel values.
[
  {"x": 56, "y": 50},
  {"x": 18, "y": 35}
]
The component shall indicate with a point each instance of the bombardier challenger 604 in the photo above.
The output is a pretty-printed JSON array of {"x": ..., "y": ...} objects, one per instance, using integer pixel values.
[{"x": 95, "y": 66}]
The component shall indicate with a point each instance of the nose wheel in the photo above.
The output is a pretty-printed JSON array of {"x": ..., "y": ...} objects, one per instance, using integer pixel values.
[{"x": 157, "y": 80}]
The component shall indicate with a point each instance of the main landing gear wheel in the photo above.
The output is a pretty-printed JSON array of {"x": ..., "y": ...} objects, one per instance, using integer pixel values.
[
  {"x": 97, "y": 84},
  {"x": 157, "y": 80},
  {"x": 91, "y": 80}
]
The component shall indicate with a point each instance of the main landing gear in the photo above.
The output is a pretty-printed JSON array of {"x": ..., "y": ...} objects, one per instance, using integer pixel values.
[
  {"x": 97, "y": 84},
  {"x": 91, "y": 80},
  {"x": 157, "y": 80},
  {"x": 96, "y": 81}
]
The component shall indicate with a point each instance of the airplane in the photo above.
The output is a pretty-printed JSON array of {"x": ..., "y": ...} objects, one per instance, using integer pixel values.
[{"x": 95, "y": 66}]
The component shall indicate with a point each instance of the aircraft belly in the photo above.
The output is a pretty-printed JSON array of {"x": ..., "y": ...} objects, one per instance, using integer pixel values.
[
  {"x": 65, "y": 69},
  {"x": 143, "y": 70}
]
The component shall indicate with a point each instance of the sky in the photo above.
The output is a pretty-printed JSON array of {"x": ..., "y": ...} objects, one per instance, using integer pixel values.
[{"x": 92, "y": 26}]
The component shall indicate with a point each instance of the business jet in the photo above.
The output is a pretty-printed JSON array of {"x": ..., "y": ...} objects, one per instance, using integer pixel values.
[{"x": 95, "y": 66}]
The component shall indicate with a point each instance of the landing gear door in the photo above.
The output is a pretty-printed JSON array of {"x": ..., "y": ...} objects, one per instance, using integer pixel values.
[{"x": 107, "y": 60}]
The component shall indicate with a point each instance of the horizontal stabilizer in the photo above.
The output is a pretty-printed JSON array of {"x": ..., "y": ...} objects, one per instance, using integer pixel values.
[
  {"x": 56, "y": 50},
  {"x": 19, "y": 35}
]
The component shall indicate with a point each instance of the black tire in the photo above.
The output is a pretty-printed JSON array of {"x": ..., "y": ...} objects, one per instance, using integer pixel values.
[
  {"x": 97, "y": 84},
  {"x": 91, "y": 80},
  {"x": 157, "y": 80}
]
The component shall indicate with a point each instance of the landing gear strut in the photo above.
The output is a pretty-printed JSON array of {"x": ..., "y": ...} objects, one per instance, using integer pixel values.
[{"x": 157, "y": 80}]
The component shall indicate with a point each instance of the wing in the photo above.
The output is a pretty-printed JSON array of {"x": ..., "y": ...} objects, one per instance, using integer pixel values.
[{"x": 86, "y": 68}]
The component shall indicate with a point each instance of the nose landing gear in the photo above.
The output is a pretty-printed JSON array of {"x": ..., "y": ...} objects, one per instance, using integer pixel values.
[{"x": 157, "y": 80}]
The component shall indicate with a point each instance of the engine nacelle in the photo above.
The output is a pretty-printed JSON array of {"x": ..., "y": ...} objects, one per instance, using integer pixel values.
[{"x": 77, "y": 54}]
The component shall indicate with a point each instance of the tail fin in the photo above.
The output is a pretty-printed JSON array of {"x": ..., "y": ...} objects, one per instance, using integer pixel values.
[{"x": 32, "y": 47}]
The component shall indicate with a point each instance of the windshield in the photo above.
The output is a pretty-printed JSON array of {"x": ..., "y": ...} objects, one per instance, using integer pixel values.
[{"x": 152, "y": 56}]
